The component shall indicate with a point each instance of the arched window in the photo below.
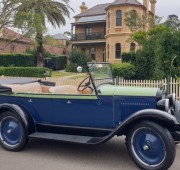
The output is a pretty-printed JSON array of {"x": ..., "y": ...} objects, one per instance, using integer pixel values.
[
  {"x": 118, "y": 51},
  {"x": 119, "y": 18},
  {"x": 134, "y": 17},
  {"x": 133, "y": 47},
  {"x": 108, "y": 20},
  {"x": 108, "y": 51}
]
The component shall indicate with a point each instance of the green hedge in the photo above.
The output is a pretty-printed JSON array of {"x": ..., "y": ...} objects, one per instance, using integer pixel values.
[
  {"x": 129, "y": 57},
  {"x": 24, "y": 71},
  {"x": 60, "y": 62},
  {"x": 125, "y": 70},
  {"x": 17, "y": 60}
]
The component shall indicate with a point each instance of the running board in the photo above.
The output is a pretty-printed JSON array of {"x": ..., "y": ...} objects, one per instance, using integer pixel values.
[{"x": 68, "y": 138}]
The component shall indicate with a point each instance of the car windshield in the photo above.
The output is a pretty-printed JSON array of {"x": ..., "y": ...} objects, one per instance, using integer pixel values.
[{"x": 101, "y": 73}]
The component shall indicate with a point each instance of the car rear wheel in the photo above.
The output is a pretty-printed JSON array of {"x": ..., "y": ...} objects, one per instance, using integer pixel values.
[
  {"x": 12, "y": 132},
  {"x": 151, "y": 146}
]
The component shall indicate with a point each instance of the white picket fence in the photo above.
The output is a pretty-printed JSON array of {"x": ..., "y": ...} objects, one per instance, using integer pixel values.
[{"x": 171, "y": 86}]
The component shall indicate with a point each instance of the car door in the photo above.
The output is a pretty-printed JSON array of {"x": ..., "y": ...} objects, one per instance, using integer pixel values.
[{"x": 82, "y": 110}]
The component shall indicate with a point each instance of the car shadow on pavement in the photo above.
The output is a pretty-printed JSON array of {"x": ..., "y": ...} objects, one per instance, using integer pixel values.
[{"x": 111, "y": 155}]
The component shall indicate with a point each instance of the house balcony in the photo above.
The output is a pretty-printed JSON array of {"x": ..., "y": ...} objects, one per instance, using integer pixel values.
[{"x": 89, "y": 36}]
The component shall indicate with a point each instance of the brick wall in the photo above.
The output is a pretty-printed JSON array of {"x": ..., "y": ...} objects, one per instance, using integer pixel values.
[
  {"x": 54, "y": 50},
  {"x": 12, "y": 42}
]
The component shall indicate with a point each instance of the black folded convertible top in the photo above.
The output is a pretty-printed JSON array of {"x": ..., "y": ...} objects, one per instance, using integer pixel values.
[{"x": 5, "y": 90}]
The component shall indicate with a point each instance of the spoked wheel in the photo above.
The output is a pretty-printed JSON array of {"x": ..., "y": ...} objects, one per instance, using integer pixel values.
[
  {"x": 151, "y": 146},
  {"x": 12, "y": 132}
]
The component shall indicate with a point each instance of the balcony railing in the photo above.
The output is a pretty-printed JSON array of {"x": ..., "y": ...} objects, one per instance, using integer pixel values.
[{"x": 89, "y": 36}]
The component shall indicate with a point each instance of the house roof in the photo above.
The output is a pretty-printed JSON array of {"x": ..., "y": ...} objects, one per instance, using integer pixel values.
[
  {"x": 92, "y": 18},
  {"x": 60, "y": 37},
  {"x": 122, "y": 2},
  {"x": 96, "y": 10},
  {"x": 10, "y": 34},
  {"x": 101, "y": 8}
]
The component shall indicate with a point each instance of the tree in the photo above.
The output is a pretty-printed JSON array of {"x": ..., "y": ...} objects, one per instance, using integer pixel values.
[
  {"x": 77, "y": 58},
  {"x": 34, "y": 14},
  {"x": 173, "y": 22},
  {"x": 160, "y": 53},
  {"x": 139, "y": 22}
]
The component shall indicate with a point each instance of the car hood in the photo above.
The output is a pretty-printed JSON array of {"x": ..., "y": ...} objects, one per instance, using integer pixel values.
[{"x": 127, "y": 91}]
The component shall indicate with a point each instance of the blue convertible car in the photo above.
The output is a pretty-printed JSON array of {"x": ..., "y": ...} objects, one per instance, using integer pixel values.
[{"x": 93, "y": 113}]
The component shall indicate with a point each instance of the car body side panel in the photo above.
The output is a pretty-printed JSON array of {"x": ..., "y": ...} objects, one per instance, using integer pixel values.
[
  {"x": 84, "y": 112},
  {"x": 88, "y": 111},
  {"x": 125, "y": 106}
]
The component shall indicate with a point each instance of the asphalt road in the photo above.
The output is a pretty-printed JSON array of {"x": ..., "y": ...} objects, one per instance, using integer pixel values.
[{"x": 53, "y": 155}]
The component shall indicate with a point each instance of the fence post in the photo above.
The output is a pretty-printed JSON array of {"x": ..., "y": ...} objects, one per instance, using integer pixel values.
[{"x": 168, "y": 85}]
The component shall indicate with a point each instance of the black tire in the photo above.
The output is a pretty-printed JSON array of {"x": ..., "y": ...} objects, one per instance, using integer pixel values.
[
  {"x": 151, "y": 146},
  {"x": 13, "y": 136}
]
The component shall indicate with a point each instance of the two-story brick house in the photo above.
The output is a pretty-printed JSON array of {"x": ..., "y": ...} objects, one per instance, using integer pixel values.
[{"x": 101, "y": 31}]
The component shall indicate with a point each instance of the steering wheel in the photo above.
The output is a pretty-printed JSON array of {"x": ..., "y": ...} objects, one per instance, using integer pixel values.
[{"x": 82, "y": 86}]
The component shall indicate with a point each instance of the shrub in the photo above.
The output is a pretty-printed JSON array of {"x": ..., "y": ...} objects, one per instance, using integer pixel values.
[
  {"x": 129, "y": 57},
  {"x": 77, "y": 58},
  {"x": 146, "y": 64},
  {"x": 125, "y": 70},
  {"x": 60, "y": 62},
  {"x": 17, "y": 60},
  {"x": 71, "y": 68},
  {"x": 23, "y": 71}
]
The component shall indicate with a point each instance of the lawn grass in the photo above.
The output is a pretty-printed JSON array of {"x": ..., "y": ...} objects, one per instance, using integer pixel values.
[
  {"x": 57, "y": 74},
  {"x": 61, "y": 74}
]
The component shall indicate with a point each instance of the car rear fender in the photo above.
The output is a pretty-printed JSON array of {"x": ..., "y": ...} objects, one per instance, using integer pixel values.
[{"x": 23, "y": 113}]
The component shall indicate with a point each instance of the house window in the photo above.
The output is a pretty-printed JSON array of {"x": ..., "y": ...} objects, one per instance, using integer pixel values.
[
  {"x": 88, "y": 33},
  {"x": 12, "y": 48},
  {"x": 108, "y": 51},
  {"x": 118, "y": 18},
  {"x": 108, "y": 20},
  {"x": 133, "y": 47},
  {"x": 134, "y": 17},
  {"x": 93, "y": 53},
  {"x": 88, "y": 30},
  {"x": 118, "y": 51}
]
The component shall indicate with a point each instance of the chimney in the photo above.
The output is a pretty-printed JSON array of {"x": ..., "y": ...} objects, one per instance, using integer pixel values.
[
  {"x": 83, "y": 7},
  {"x": 146, "y": 4},
  {"x": 153, "y": 6}
]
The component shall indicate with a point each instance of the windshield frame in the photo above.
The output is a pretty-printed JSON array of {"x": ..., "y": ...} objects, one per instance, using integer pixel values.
[{"x": 105, "y": 78}]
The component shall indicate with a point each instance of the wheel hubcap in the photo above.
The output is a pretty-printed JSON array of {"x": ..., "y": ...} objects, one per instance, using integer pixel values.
[
  {"x": 148, "y": 147},
  {"x": 10, "y": 131}
]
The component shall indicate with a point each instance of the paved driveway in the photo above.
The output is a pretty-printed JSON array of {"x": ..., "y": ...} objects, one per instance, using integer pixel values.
[{"x": 53, "y": 155}]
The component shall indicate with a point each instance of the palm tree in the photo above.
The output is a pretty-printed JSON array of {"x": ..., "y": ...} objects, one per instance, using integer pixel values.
[{"x": 35, "y": 14}]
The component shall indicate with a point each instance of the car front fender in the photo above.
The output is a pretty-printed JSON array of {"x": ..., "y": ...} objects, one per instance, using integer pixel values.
[
  {"x": 22, "y": 113},
  {"x": 153, "y": 115},
  {"x": 158, "y": 116}
]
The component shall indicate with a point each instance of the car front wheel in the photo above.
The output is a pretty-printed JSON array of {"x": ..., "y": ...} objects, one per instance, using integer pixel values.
[
  {"x": 151, "y": 146},
  {"x": 12, "y": 132}
]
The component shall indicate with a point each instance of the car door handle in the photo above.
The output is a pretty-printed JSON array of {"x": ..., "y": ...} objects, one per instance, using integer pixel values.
[{"x": 68, "y": 102}]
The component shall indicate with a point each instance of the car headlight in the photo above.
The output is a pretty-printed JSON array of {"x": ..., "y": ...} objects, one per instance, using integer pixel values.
[
  {"x": 163, "y": 105},
  {"x": 172, "y": 99}
]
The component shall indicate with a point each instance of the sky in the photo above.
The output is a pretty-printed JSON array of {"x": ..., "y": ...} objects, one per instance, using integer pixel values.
[{"x": 163, "y": 9}]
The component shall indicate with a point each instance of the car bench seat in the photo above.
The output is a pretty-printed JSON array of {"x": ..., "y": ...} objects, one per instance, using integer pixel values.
[{"x": 36, "y": 87}]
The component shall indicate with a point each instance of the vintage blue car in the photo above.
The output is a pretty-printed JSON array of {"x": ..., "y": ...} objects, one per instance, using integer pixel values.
[{"x": 93, "y": 113}]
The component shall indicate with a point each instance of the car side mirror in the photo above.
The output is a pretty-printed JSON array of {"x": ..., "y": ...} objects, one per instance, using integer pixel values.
[{"x": 79, "y": 69}]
